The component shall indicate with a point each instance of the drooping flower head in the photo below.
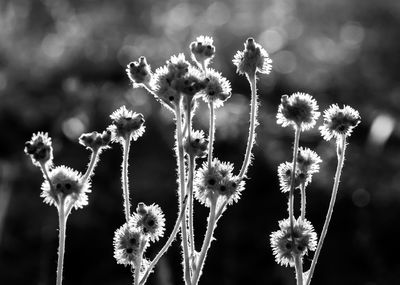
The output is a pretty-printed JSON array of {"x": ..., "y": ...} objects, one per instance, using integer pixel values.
[
  {"x": 197, "y": 146},
  {"x": 202, "y": 50},
  {"x": 139, "y": 72},
  {"x": 40, "y": 149},
  {"x": 217, "y": 88},
  {"x": 96, "y": 141},
  {"x": 298, "y": 110},
  {"x": 285, "y": 244},
  {"x": 129, "y": 242},
  {"x": 66, "y": 187},
  {"x": 252, "y": 59},
  {"x": 217, "y": 182},
  {"x": 150, "y": 220},
  {"x": 126, "y": 125},
  {"x": 339, "y": 122}
]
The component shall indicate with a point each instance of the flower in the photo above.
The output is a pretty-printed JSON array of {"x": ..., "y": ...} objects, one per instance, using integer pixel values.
[
  {"x": 299, "y": 110},
  {"x": 308, "y": 162},
  {"x": 217, "y": 88},
  {"x": 139, "y": 72},
  {"x": 285, "y": 175},
  {"x": 252, "y": 59},
  {"x": 197, "y": 146},
  {"x": 339, "y": 122},
  {"x": 217, "y": 182},
  {"x": 40, "y": 149},
  {"x": 66, "y": 187},
  {"x": 126, "y": 125},
  {"x": 129, "y": 242},
  {"x": 286, "y": 244},
  {"x": 150, "y": 220},
  {"x": 96, "y": 141},
  {"x": 202, "y": 50}
]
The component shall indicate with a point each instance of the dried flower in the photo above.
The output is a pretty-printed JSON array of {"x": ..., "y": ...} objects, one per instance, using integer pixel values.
[
  {"x": 299, "y": 110},
  {"x": 286, "y": 244},
  {"x": 66, "y": 187},
  {"x": 217, "y": 88},
  {"x": 284, "y": 174},
  {"x": 197, "y": 146},
  {"x": 126, "y": 125},
  {"x": 202, "y": 50},
  {"x": 252, "y": 59},
  {"x": 339, "y": 122},
  {"x": 308, "y": 162},
  {"x": 139, "y": 72},
  {"x": 40, "y": 149},
  {"x": 150, "y": 220},
  {"x": 96, "y": 141}
]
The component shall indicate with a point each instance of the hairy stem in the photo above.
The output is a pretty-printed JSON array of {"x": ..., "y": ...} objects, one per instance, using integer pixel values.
[
  {"x": 192, "y": 165},
  {"x": 298, "y": 264},
  {"x": 338, "y": 173},
  {"x": 211, "y": 133},
  {"x": 207, "y": 241},
  {"x": 93, "y": 161},
  {"x": 303, "y": 200},
  {"x": 182, "y": 174},
  {"x": 125, "y": 180},
  {"x": 62, "y": 220},
  {"x": 253, "y": 125},
  {"x": 292, "y": 174}
]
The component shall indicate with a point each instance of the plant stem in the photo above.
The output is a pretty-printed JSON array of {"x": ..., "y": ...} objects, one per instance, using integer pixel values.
[
  {"x": 211, "y": 133},
  {"x": 167, "y": 244},
  {"x": 303, "y": 200},
  {"x": 125, "y": 179},
  {"x": 207, "y": 241},
  {"x": 181, "y": 173},
  {"x": 338, "y": 173},
  {"x": 62, "y": 220},
  {"x": 293, "y": 174},
  {"x": 138, "y": 263},
  {"x": 253, "y": 125},
  {"x": 192, "y": 165},
  {"x": 298, "y": 263},
  {"x": 93, "y": 161}
]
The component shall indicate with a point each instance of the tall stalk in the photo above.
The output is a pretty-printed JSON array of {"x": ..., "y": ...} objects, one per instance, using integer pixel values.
[
  {"x": 125, "y": 179},
  {"x": 62, "y": 220}
]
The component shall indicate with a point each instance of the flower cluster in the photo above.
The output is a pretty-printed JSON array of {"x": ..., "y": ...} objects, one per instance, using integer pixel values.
[
  {"x": 96, "y": 141},
  {"x": 197, "y": 145},
  {"x": 139, "y": 72},
  {"x": 126, "y": 125},
  {"x": 202, "y": 50},
  {"x": 40, "y": 149}
]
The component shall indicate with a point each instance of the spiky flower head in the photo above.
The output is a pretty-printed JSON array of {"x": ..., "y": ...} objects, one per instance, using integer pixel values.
[
  {"x": 67, "y": 186},
  {"x": 217, "y": 88},
  {"x": 126, "y": 125},
  {"x": 299, "y": 110},
  {"x": 202, "y": 50},
  {"x": 339, "y": 122},
  {"x": 96, "y": 141},
  {"x": 139, "y": 72},
  {"x": 40, "y": 149},
  {"x": 197, "y": 145},
  {"x": 217, "y": 182},
  {"x": 285, "y": 174},
  {"x": 129, "y": 242},
  {"x": 252, "y": 59},
  {"x": 308, "y": 162},
  {"x": 150, "y": 220},
  {"x": 286, "y": 244}
]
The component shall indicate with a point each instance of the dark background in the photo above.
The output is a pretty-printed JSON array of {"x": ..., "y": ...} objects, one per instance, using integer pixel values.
[{"x": 62, "y": 71}]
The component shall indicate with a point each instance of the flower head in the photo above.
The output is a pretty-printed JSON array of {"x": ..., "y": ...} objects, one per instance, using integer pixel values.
[
  {"x": 308, "y": 162},
  {"x": 126, "y": 125},
  {"x": 150, "y": 220},
  {"x": 96, "y": 141},
  {"x": 197, "y": 146},
  {"x": 129, "y": 242},
  {"x": 286, "y": 244},
  {"x": 217, "y": 88},
  {"x": 203, "y": 50},
  {"x": 40, "y": 149},
  {"x": 285, "y": 174},
  {"x": 66, "y": 187},
  {"x": 299, "y": 110},
  {"x": 339, "y": 122},
  {"x": 252, "y": 59},
  {"x": 139, "y": 72}
]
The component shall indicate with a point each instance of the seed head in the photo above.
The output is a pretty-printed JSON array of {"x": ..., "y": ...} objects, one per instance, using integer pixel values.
[
  {"x": 339, "y": 122},
  {"x": 66, "y": 187},
  {"x": 126, "y": 125},
  {"x": 197, "y": 146},
  {"x": 40, "y": 149},
  {"x": 308, "y": 162},
  {"x": 252, "y": 59},
  {"x": 150, "y": 220},
  {"x": 139, "y": 72},
  {"x": 96, "y": 141},
  {"x": 217, "y": 88},
  {"x": 203, "y": 50},
  {"x": 285, "y": 244},
  {"x": 299, "y": 110},
  {"x": 285, "y": 174}
]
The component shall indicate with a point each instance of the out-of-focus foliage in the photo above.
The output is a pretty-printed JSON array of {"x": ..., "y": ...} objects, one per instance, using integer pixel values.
[{"x": 62, "y": 71}]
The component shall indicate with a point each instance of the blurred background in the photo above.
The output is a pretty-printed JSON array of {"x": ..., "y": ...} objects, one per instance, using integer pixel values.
[{"x": 62, "y": 71}]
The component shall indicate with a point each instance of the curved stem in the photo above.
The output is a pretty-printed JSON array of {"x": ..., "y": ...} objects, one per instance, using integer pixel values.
[
  {"x": 92, "y": 164},
  {"x": 253, "y": 125},
  {"x": 181, "y": 173},
  {"x": 62, "y": 220},
  {"x": 206, "y": 243},
  {"x": 211, "y": 133},
  {"x": 298, "y": 264},
  {"x": 341, "y": 154},
  {"x": 125, "y": 179},
  {"x": 303, "y": 200},
  {"x": 292, "y": 174},
  {"x": 167, "y": 244}
]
